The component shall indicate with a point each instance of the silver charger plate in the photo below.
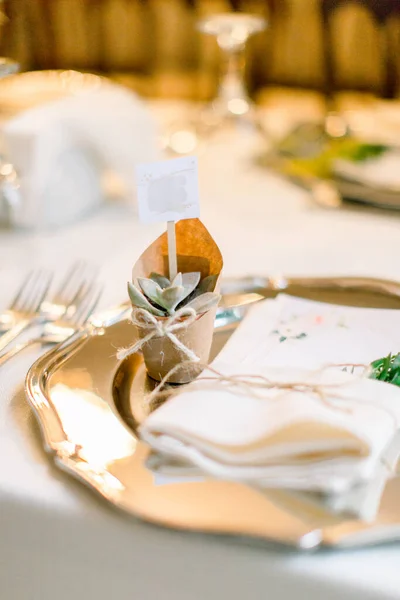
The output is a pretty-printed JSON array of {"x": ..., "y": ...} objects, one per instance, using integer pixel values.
[{"x": 89, "y": 405}]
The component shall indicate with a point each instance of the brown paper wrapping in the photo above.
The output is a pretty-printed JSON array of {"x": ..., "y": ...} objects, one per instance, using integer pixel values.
[{"x": 196, "y": 251}]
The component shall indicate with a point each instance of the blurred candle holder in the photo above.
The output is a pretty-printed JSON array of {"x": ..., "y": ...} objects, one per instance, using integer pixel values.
[
  {"x": 10, "y": 199},
  {"x": 232, "y": 105},
  {"x": 9, "y": 183},
  {"x": 8, "y": 67}
]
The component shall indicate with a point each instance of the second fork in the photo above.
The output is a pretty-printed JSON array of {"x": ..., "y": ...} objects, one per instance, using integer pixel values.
[
  {"x": 55, "y": 332},
  {"x": 30, "y": 306}
]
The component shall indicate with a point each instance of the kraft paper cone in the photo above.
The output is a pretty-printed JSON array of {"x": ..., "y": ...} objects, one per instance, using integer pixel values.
[{"x": 196, "y": 251}]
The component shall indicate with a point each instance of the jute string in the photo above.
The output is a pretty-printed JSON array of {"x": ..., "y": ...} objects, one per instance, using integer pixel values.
[
  {"x": 252, "y": 385},
  {"x": 182, "y": 319}
]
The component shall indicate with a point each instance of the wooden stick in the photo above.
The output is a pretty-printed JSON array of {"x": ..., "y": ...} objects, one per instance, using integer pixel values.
[{"x": 172, "y": 260}]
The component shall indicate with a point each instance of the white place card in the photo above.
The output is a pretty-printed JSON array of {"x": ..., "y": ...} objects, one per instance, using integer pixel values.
[{"x": 168, "y": 190}]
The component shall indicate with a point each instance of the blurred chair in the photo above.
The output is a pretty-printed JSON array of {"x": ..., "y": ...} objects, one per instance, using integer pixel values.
[
  {"x": 382, "y": 11},
  {"x": 153, "y": 45}
]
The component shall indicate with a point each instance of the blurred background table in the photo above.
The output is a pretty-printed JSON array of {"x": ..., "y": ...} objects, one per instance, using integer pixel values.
[{"x": 154, "y": 44}]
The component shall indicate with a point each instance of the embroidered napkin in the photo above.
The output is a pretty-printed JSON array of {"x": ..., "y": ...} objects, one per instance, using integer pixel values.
[{"x": 323, "y": 441}]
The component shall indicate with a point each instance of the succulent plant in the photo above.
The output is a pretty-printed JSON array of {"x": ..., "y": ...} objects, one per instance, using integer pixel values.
[{"x": 162, "y": 297}]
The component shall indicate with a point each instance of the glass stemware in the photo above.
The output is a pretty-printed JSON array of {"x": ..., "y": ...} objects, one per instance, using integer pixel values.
[
  {"x": 232, "y": 32},
  {"x": 232, "y": 104}
]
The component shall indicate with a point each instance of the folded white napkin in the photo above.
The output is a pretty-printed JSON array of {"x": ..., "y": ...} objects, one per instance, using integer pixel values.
[
  {"x": 326, "y": 446},
  {"x": 61, "y": 150}
]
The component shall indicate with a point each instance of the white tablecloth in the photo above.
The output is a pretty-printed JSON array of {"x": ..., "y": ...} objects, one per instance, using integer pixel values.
[{"x": 57, "y": 539}]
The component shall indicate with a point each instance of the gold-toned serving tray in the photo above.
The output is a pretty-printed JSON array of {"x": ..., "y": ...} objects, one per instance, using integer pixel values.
[{"x": 89, "y": 405}]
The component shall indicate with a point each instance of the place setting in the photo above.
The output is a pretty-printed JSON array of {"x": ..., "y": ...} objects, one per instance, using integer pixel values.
[
  {"x": 339, "y": 170},
  {"x": 200, "y": 300},
  {"x": 263, "y": 408}
]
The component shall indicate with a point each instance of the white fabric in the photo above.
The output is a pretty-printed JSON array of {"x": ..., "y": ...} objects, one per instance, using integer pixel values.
[
  {"x": 61, "y": 150},
  {"x": 57, "y": 538},
  {"x": 258, "y": 435}
]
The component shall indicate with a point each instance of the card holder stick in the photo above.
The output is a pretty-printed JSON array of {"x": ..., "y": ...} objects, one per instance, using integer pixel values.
[{"x": 172, "y": 260}]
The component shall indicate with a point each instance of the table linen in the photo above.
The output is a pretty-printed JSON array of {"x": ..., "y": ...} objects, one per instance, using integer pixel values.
[{"x": 57, "y": 538}]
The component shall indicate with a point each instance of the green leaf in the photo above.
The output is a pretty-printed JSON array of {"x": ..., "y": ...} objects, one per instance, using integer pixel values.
[
  {"x": 150, "y": 288},
  {"x": 319, "y": 162},
  {"x": 140, "y": 301},
  {"x": 378, "y": 363},
  {"x": 204, "y": 302},
  {"x": 396, "y": 379},
  {"x": 387, "y": 369},
  {"x": 206, "y": 285},
  {"x": 162, "y": 281},
  {"x": 396, "y": 362},
  {"x": 190, "y": 281},
  {"x": 186, "y": 289},
  {"x": 170, "y": 298},
  {"x": 360, "y": 151},
  {"x": 177, "y": 280}
]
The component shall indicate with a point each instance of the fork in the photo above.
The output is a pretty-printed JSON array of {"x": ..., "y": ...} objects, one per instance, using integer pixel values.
[
  {"x": 23, "y": 313},
  {"x": 68, "y": 288},
  {"x": 25, "y": 308},
  {"x": 79, "y": 277},
  {"x": 55, "y": 332}
]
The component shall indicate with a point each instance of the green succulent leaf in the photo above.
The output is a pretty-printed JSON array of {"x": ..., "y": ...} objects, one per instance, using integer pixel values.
[
  {"x": 162, "y": 281},
  {"x": 150, "y": 288},
  {"x": 206, "y": 285},
  {"x": 204, "y": 302},
  {"x": 171, "y": 297},
  {"x": 177, "y": 280},
  {"x": 139, "y": 300},
  {"x": 190, "y": 281},
  {"x": 161, "y": 297}
]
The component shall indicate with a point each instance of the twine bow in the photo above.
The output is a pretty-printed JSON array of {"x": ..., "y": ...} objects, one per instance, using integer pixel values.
[{"x": 182, "y": 319}]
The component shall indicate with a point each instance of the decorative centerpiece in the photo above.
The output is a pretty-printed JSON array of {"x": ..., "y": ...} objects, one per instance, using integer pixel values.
[{"x": 175, "y": 283}]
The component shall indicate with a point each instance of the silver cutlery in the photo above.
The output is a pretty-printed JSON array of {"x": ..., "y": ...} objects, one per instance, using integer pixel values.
[
  {"x": 30, "y": 306},
  {"x": 25, "y": 308},
  {"x": 78, "y": 278},
  {"x": 55, "y": 332}
]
